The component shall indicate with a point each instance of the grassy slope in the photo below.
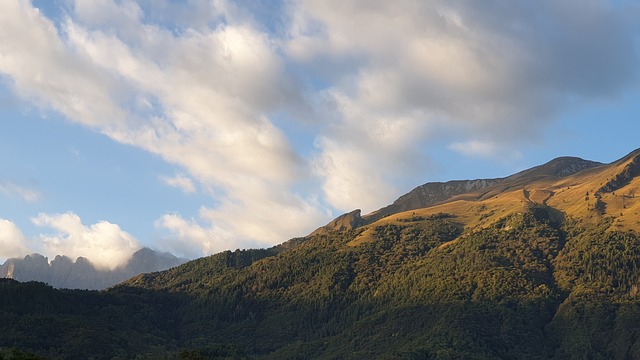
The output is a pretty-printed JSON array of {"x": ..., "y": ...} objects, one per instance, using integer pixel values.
[{"x": 534, "y": 271}]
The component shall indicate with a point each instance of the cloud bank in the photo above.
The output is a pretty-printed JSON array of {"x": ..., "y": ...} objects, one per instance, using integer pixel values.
[
  {"x": 490, "y": 73},
  {"x": 106, "y": 245},
  {"x": 103, "y": 243},
  {"x": 12, "y": 241},
  {"x": 257, "y": 106}
]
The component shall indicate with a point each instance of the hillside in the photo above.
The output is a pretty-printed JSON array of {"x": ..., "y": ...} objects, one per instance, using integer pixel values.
[{"x": 542, "y": 264}]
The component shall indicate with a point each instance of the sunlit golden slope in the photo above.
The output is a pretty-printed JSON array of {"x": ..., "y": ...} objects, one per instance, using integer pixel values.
[{"x": 611, "y": 190}]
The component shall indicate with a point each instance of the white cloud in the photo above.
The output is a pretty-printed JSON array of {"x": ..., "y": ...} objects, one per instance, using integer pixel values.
[
  {"x": 484, "y": 149},
  {"x": 190, "y": 239},
  {"x": 47, "y": 72},
  {"x": 243, "y": 223},
  {"x": 367, "y": 153},
  {"x": 10, "y": 188},
  {"x": 380, "y": 80},
  {"x": 106, "y": 245},
  {"x": 181, "y": 182},
  {"x": 465, "y": 69},
  {"x": 262, "y": 214},
  {"x": 12, "y": 241},
  {"x": 199, "y": 98},
  {"x": 475, "y": 148}
]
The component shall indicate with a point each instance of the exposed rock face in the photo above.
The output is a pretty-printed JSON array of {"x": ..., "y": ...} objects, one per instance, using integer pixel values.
[
  {"x": 430, "y": 194},
  {"x": 630, "y": 171},
  {"x": 63, "y": 272},
  {"x": 558, "y": 167}
]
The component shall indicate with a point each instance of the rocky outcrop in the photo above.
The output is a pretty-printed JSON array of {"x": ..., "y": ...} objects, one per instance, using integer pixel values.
[
  {"x": 558, "y": 167},
  {"x": 434, "y": 193},
  {"x": 64, "y": 273},
  {"x": 430, "y": 194},
  {"x": 624, "y": 177}
]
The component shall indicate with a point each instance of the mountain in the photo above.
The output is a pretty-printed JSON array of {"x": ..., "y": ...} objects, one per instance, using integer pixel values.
[
  {"x": 64, "y": 273},
  {"x": 434, "y": 193},
  {"x": 543, "y": 264}
]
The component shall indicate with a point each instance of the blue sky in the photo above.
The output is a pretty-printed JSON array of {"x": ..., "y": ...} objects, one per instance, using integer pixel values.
[{"x": 195, "y": 127}]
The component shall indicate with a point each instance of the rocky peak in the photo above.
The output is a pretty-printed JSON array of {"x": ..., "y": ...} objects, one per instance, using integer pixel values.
[
  {"x": 430, "y": 194},
  {"x": 63, "y": 272},
  {"x": 558, "y": 167},
  {"x": 434, "y": 193},
  {"x": 630, "y": 170}
]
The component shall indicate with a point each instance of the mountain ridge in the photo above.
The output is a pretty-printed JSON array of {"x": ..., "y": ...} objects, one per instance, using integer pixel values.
[
  {"x": 63, "y": 272},
  {"x": 433, "y": 193},
  {"x": 536, "y": 267},
  {"x": 528, "y": 263}
]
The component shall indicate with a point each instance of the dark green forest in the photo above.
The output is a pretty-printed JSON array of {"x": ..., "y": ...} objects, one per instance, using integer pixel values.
[{"x": 526, "y": 287}]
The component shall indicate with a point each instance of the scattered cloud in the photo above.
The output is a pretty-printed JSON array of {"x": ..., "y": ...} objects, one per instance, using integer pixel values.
[
  {"x": 188, "y": 238},
  {"x": 181, "y": 182},
  {"x": 199, "y": 98},
  {"x": 214, "y": 90},
  {"x": 262, "y": 215},
  {"x": 367, "y": 152},
  {"x": 485, "y": 149},
  {"x": 105, "y": 244},
  {"x": 45, "y": 70},
  {"x": 475, "y": 148},
  {"x": 236, "y": 225},
  {"x": 469, "y": 70},
  {"x": 12, "y": 241},
  {"x": 12, "y": 189}
]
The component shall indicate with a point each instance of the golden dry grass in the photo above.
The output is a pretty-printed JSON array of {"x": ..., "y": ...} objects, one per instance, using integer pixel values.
[{"x": 574, "y": 196}]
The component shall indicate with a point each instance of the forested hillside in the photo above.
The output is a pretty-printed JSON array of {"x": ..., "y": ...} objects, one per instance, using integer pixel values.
[
  {"x": 525, "y": 287},
  {"x": 507, "y": 274}
]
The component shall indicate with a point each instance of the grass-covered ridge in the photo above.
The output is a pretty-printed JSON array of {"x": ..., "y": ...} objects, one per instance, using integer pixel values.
[
  {"x": 522, "y": 287},
  {"x": 535, "y": 266}
]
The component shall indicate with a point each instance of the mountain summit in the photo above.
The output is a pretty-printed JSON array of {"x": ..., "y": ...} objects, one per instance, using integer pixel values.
[
  {"x": 542, "y": 264},
  {"x": 585, "y": 190},
  {"x": 434, "y": 193}
]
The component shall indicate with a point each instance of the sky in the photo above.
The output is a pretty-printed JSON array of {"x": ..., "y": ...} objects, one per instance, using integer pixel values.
[{"x": 199, "y": 126}]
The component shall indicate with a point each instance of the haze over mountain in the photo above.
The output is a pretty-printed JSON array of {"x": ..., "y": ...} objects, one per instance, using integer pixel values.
[
  {"x": 541, "y": 264},
  {"x": 65, "y": 273}
]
